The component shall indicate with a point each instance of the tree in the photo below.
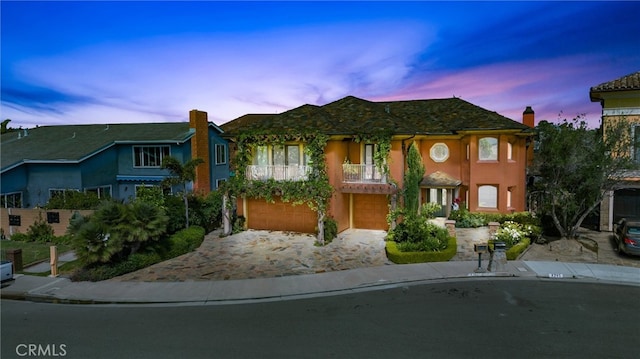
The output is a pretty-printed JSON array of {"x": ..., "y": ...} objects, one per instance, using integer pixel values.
[
  {"x": 4, "y": 127},
  {"x": 412, "y": 178},
  {"x": 181, "y": 174},
  {"x": 576, "y": 166}
]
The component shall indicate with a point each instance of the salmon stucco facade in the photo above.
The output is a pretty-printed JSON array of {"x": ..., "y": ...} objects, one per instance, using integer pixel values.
[{"x": 473, "y": 157}]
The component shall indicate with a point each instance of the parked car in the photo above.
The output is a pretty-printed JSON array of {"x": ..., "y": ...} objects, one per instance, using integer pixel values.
[
  {"x": 6, "y": 271},
  {"x": 627, "y": 235}
]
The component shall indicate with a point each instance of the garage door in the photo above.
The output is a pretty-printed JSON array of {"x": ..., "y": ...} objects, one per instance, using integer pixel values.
[
  {"x": 280, "y": 216},
  {"x": 370, "y": 211},
  {"x": 626, "y": 204}
]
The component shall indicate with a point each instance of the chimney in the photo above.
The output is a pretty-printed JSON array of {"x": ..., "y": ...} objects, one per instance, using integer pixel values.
[
  {"x": 198, "y": 120},
  {"x": 528, "y": 117}
]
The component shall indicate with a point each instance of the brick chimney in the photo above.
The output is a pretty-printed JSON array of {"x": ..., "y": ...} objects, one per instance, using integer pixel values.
[
  {"x": 198, "y": 120},
  {"x": 528, "y": 117}
]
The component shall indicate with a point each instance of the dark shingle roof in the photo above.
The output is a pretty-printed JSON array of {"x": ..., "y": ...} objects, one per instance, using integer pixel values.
[
  {"x": 76, "y": 142},
  {"x": 352, "y": 115},
  {"x": 628, "y": 82}
]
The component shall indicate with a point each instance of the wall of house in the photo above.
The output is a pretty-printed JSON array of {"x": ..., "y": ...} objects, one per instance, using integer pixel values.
[
  {"x": 30, "y": 216},
  {"x": 505, "y": 174},
  {"x": 44, "y": 177},
  {"x": 217, "y": 171},
  {"x": 336, "y": 152},
  {"x": 14, "y": 180}
]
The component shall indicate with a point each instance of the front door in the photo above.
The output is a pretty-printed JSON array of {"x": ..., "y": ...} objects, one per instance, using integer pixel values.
[{"x": 439, "y": 196}]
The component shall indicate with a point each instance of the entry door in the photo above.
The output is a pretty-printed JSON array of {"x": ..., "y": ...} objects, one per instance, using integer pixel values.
[{"x": 439, "y": 196}]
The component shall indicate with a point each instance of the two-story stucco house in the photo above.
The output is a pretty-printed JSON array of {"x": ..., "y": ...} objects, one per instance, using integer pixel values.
[
  {"x": 109, "y": 159},
  {"x": 620, "y": 99},
  {"x": 470, "y": 154}
]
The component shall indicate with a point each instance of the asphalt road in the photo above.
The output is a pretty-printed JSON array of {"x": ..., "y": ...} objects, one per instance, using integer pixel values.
[{"x": 478, "y": 318}]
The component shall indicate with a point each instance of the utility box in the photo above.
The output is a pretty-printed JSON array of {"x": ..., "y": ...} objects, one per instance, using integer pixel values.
[{"x": 15, "y": 256}]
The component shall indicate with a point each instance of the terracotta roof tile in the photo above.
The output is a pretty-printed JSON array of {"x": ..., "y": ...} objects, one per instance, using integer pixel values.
[{"x": 628, "y": 82}]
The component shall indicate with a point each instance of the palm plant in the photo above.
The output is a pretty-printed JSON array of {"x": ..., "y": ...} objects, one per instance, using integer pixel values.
[{"x": 181, "y": 174}]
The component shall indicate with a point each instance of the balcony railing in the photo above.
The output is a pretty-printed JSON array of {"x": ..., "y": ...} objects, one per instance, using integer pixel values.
[
  {"x": 277, "y": 172},
  {"x": 362, "y": 174}
]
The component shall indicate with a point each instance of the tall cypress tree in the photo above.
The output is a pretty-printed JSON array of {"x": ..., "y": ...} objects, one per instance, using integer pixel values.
[{"x": 412, "y": 178}]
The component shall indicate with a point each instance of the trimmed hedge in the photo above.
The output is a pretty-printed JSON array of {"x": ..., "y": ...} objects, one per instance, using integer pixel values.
[
  {"x": 398, "y": 257},
  {"x": 185, "y": 241},
  {"x": 515, "y": 251}
]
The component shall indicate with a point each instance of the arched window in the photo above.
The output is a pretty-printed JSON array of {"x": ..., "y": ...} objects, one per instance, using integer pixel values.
[
  {"x": 488, "y": 149},
  {"x": 488, "y": 196}
]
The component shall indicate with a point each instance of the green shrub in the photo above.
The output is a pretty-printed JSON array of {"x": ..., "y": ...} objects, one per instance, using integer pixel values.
[
  {"x": 133, "y": 263},
  {"x": 516, "y": 250},
  {"x": 466, "y": 219},
  {"x": 330, "y": 230},
  {"x": 398, "y": 257},
  {"x": 40, "y": 231},
  {"x": 185, "y": 241},
  {"x": 512, "y": 233},
  {"x": 19, "y": 237}
]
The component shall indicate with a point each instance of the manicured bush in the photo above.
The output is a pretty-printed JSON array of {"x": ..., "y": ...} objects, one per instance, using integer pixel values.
[
  {"x": 516, "y": 250},
  {"x": 399, "y": 257},
  {"x": 184, "y": 241}
]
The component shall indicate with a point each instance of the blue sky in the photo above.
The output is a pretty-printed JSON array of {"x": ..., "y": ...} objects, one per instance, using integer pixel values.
[{"x": 121, "y": 61}]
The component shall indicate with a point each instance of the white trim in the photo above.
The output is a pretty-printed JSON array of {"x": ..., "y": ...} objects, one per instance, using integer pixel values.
[
  {"x": 621, "y": 111},
  {"x": 439, "y": 157},
  {"x": 611, "y": 195}
]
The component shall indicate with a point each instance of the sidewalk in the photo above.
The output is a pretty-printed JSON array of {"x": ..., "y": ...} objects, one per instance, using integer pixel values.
[{"x": 62, "y": 290}]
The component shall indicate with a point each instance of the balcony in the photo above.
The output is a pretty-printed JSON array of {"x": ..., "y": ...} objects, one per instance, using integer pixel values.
[
  {"x": 277, "y": 172},
  {"x": 357, "y": 173}
]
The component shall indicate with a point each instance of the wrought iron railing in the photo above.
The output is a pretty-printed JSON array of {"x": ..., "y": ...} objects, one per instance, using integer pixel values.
[
  {"x": 357, "y": 173},
  {"x": 277, "y": 172}
]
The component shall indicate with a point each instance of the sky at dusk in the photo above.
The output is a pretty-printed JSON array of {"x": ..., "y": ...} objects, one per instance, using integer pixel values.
[{"x": 153, "y": 61}]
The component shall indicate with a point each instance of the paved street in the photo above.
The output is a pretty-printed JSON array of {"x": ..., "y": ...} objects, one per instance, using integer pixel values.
[{"x": 507, "y": 318}]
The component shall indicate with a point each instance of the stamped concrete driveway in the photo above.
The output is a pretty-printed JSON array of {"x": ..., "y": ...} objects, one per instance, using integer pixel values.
[{"x": 264, "y": 254}]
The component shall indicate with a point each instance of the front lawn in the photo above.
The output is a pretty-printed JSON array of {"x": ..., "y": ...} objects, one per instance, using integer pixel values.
[{"x": 32, "y": 252}]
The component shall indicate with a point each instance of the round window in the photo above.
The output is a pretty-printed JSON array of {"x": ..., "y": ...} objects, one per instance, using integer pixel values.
[{"x": 439, "y": 152}]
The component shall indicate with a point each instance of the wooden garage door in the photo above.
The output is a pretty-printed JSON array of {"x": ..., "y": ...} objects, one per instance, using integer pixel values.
[
  {"x": 370, "y": 211},
  {"x": 280, "y": 216}
]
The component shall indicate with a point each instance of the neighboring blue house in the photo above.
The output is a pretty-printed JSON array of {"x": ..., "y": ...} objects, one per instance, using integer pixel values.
[{"x": 109, "y": 159}]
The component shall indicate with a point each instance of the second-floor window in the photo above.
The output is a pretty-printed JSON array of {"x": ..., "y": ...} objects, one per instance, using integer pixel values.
[
  {"x": 488, "y": 149},
  {"x": 149, "y": 156},
  {"x": 280, "y": 155},
  {"x": 280, "y": 162},
  {"x": 221, "y": 154}
]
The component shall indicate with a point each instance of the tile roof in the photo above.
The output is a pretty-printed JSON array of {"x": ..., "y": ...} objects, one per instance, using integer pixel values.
[
  {"x": 351, "y": 115},
  {"x": 440, "y": 179},
  {"x": 75, "y": 142},
  {"x": 628, "y": 82}
]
